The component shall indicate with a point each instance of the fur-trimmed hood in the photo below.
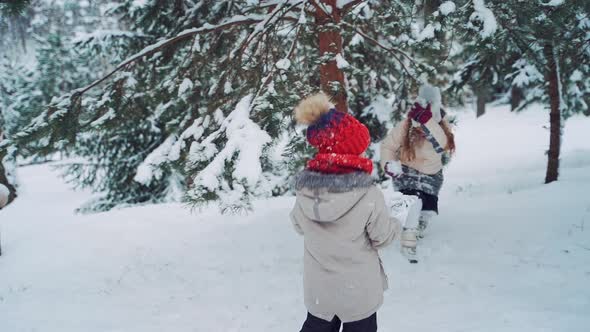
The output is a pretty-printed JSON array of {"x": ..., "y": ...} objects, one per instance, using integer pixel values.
[{"x": 328, "y": 197}]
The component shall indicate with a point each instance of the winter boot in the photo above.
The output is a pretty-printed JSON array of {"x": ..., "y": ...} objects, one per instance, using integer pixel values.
[
  {"x": 425, "y": 217},
  {"x": 409, "y": 240}
]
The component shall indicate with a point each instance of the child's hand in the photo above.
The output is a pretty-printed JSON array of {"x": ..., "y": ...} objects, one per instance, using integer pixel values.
[
  {"x": 393, "y": 168},
  {"x": 420, "y": 114}
]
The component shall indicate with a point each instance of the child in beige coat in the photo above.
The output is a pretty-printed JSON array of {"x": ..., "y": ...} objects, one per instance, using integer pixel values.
[
  {"x": 412, "y": 153},
  {"x": 343, "y": 218}
]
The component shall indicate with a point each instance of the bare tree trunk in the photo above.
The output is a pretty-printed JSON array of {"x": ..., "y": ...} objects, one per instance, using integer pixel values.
[
  {"x": 516, "y": 97},
  {"x": 552, "y": 77},
  {"x": 330, "y": 44},
  {"x": 11, "y": 189},
  {"x": 23, "y": 34},
  {"x": 5, "y": 182},
  {"x": 3, "y": 178},
  {"x": 482, "y": 98}
]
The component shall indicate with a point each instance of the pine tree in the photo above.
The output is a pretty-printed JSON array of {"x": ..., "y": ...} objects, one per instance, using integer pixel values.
[
  {"x": 13, "y": 7},
  {"x": 27, "y": 87},
  {"x": 13, "y": 79},
  {"x": 540, "y": 53},
  {"x": 555, "y": 45},
  {"x": 199, "y": 99},
  {"x": 482, "y": 67}
]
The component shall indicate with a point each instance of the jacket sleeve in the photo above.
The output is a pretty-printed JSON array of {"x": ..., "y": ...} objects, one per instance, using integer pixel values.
[
  {"x": 435, "y": 135},
  {"x": 390, "y": 145},
  {"x": 381, "y": 227},
  {"x": 294, "y": 216}
]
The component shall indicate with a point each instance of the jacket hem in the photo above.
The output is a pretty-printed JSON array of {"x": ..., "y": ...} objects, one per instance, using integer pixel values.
[{"x": 348, "y": 319}]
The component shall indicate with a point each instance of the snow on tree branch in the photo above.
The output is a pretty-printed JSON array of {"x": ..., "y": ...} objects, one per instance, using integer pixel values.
[
  {"x": 426, "y": 33},
  {"x": 447, "y": 8},
  {"x": 285, "y": 63},
  {"x": 525, "y": 74},
  {"x": 554, "y": 3},
  {"x": 244, "y": 138},
  {"x": 486, "y": 16},
  {"x": 236, "y": 20},
  {"x": 264, "y": 25},
  {"x": 103, "y": 35},
  {"x": 150, "y": 169},
  {"x": 347, "y": 4},
  {"x": 392, "y": 50}
]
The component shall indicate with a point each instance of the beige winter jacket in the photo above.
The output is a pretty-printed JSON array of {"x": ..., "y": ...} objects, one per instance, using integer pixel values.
[
  {"x": 428, "y": 160},
  {"x": 344, "y": 222}
]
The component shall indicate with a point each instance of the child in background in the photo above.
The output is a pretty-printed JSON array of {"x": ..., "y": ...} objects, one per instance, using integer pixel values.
[{"x": 412, "y": 153}]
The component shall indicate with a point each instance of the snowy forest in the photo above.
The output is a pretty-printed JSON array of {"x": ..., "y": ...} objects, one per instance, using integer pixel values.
[
  {"x": 146, "y": 109},
  {"x": 129, "y": 115}
]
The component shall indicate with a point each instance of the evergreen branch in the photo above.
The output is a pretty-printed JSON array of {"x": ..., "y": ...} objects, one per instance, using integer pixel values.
[
  {"x": 259, "y": 33},
  {"x": 320, "y": 7},
  {"x": 392, "y": 50},
  {"x": 237, "y": 20},
  {"x": 388, "y": 48},
  {"x": 264, "y": 24},
  {"x": 269, "y": 4},
  {"x": 13, "y": 7},
  {"x": 290, "y": 53},
  {"x": 450, "y": 43},
  {"x": 292, "y": 48},
  {"x": 351, "y": 5},
  {"x": 523, "y": 46}
]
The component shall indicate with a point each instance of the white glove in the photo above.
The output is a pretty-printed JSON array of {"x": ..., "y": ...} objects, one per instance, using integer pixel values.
[{"x": 393, "y": 168}]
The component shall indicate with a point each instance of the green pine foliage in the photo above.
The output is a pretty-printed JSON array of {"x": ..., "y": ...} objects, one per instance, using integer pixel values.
[
  {"x": 198, "y": 104},
  {"x": 13, "y": 7},
  {"x": 513, "y": 56}
]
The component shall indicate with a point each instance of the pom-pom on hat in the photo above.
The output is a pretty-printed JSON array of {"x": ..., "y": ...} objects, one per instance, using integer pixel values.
[{"x": 339, "y": 137}]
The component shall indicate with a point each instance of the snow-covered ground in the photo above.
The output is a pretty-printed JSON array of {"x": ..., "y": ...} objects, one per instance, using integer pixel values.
[{"x": 507, "y": 253}]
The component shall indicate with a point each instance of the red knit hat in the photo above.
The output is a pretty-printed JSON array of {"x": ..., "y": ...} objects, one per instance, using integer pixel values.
[{"x": 341, "y": 140}]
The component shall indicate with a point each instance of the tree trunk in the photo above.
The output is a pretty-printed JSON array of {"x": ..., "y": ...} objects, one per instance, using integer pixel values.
[
  {"x": 482, "y": 98},
  {"x": 552, "y": 77},
  {"x": 4, "y": 181},
  {"x": 516, "y": 97},
  {"x": 3, "y": 178},
  {"x": 330, "y": 44}
]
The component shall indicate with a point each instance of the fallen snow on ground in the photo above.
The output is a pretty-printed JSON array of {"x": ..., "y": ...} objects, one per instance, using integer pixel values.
[{"x": 507, "y": 253}]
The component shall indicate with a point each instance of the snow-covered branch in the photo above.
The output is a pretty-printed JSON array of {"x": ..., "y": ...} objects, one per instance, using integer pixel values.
[
  {"x": 347, "y": 5},
  {"x": 262, "y": 27},
  {"x": 236, "y": 20},
  {"x": 394, "y": 51},
  {"x": 485, "y": 15},
  {"x": 244, "y": 138}
]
